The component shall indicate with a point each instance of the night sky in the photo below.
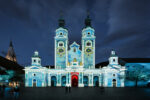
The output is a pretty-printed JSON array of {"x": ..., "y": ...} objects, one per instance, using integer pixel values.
[{"x": 121, "y": 25}]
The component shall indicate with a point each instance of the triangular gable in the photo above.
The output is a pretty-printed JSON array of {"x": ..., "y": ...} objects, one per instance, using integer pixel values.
[{"x": 74, "y": 44}]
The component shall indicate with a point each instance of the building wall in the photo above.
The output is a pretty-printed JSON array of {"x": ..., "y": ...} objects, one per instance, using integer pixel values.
[{"x": 40, "y": 78}]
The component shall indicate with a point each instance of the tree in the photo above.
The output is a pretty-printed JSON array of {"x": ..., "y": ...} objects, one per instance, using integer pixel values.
[{"x": 137, "y": 73}]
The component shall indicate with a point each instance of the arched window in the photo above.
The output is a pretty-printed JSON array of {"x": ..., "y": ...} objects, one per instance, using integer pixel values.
[
  {"x": 113, "y": 74},
  {"x": 74, "y": 49},
  {"x": 114, "y": 60},
  {"x": 61, "y": 44},
  {"x": 89, "y": 43}
]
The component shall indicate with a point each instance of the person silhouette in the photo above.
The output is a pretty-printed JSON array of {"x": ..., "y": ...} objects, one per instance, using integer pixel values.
[
  {"x": 16, "y": 92},
  {"x": 66, "y": 88}
]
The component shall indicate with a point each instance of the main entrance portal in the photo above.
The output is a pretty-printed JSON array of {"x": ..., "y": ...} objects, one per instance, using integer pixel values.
[{"x": 74, "y": 80}]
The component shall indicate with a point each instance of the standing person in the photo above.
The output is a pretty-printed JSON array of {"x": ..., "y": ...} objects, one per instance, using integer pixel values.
[
  {"x": 16, "y": 92},
  {"x": 102, "y": 90},
  {"x": 66, "y": 88},
  {"x": 69, "y": 88},
  {"x": 3, "y": 90}
]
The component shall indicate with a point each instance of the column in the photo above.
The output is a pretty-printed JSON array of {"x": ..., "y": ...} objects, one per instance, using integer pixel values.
[
  {"x": 81, "y": 79},
  {"x": 49, "y": 79},
  {"x": 100, "y": 80},
  {"x": 91, "y": 79},
  {"x": 68, "y": 79},
  {"x": 58, "y": 79},
  {"x": 26, "y": 79}
]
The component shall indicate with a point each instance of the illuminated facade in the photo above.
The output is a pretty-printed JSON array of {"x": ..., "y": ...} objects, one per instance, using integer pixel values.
[{"x": 73, "y": 66}]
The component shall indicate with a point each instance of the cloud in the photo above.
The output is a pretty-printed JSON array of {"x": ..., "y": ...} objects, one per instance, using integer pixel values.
[{"x": 122, "y": 25}]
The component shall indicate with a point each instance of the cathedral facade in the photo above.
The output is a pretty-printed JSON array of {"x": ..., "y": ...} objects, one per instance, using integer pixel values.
[{"x": 74, "y": 66}]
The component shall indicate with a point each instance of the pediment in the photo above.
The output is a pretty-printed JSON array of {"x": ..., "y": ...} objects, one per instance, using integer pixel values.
[{"x": 34, "y": 67}]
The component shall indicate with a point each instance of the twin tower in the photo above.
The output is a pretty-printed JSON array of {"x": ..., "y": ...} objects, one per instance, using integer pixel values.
[{"x": 72, "y": 56}]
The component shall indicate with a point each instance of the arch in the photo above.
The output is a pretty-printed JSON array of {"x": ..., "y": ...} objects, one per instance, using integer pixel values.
[
  {"x": 60, "y": 44},
  {"x": 85, "y": 81},
  {"x": 96, "y": 81},
  {"x": 74, "y": 81},
  {"x": 63, "y": 81},
  {"x": 89, "y": 43},
  {"x": 53, "y": 81},
  {"x": 34, "y": 83},
  {"x": 114, "y": 83}
]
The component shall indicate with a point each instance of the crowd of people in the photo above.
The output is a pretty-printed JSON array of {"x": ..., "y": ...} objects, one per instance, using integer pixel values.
[{"x": 9, "y": 92}]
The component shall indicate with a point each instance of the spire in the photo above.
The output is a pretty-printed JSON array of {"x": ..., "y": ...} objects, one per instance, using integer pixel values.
[
  {"x": 113, "y": 53},
  {"x": 61, "y": 20},
  {"x": 11, "y": 53},
  {"x": 36, "y": 54},
  {"x": 10, "y": 45},
  {"x": 88, "y": 20}
]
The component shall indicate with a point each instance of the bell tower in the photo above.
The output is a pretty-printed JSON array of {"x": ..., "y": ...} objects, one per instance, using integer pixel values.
[
  {"x": 11, "y": 53},
  {"x": 61, "y": 45},
  {"x": 113, "y": 59},
  {"x": 88, "y": 44}
]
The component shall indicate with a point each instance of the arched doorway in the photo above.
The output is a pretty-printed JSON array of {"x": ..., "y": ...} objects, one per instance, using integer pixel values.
[
  {"x": 85, "y": 81},
  {"x": 63, "y": 81},
  {"x": 114, "y": 83},
  {"x": 34, "y": 83},
  {"x": 74, "y": 81},
  {"x": 96, "y": 81},
  {"x": 53, "y": 81}
]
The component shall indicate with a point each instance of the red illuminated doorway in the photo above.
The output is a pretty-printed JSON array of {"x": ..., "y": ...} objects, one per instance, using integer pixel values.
[{"x": 74, "y": 81}]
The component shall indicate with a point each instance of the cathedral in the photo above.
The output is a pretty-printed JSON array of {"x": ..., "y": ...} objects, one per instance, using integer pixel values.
[{"x": 74, "y": 67}]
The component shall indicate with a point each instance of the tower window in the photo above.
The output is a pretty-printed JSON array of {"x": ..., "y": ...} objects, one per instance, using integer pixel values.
[
  {"x": 34, "y": 61},
  {"x": 113, "y": 60},
  {"x": 88, "y": 44},
  {"x": 113, "y": 74},
  {"x": 39, "y": 61},
  {"x": 60, "y": 44},
  {"x": 60, "y": 33},
  {"x": 34, "y": 74},
  {"x": 88, "y": 33}
]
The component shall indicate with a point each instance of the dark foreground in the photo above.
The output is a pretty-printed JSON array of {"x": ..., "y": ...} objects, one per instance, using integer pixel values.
[{"x": 55, "y": 93}]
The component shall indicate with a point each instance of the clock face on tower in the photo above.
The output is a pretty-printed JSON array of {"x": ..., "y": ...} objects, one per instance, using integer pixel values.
[
  {"x": 60, "y": 50},
  {"x": 88, "y": 50}
]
